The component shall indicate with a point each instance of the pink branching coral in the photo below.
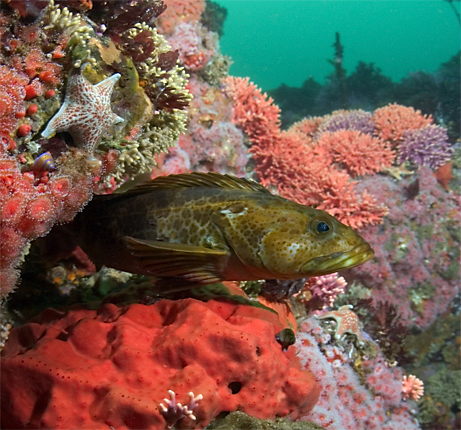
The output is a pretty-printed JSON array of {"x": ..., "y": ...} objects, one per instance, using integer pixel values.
[
  {"x": 303, "y": 169},
  {"x": 358, "y": 120},
  {"x": 361, "y": 154},
  {"x": 427, "y": 146},
  {"x": 392, "y": 121},
  {"x": 412, "y": 387},
  {"x": 326, "y": 288},
  {"x": 254, "y": 113},
  {"x": 307, "y": 175},
  {"x": 307, "y": 126}
]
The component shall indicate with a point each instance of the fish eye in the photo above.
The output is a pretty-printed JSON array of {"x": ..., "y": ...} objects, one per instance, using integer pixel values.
[{"x": 321, "y": 226}]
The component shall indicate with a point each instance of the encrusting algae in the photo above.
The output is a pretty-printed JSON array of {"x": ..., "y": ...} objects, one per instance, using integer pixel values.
[{"x": 207, "y": 227}]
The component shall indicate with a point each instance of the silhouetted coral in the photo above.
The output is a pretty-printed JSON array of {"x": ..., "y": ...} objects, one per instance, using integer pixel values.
[
  {"x": 214, "y": 16},
  {"x": 383, "y": 325},
  {"x": 126, "y": 14}
]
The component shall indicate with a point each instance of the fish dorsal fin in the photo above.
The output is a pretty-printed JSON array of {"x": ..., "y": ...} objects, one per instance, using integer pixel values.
[
  {"x": 136, "y": 181},
  {"x": 198, "y": 179}
]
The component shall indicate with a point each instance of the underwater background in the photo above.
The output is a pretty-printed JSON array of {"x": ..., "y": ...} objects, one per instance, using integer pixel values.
[
  {"x": 286, "y": 42},
  {"x": 351, "y": 107}
]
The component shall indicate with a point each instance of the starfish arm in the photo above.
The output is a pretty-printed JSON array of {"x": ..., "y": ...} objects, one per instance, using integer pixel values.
[
  {"x": 117, "y": 119},
  {"x": 51, "y": 128},
  {"x": 107, "y": 85}
]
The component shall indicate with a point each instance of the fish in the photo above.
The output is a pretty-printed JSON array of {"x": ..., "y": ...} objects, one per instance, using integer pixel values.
[{"x": 207, "y": 228}]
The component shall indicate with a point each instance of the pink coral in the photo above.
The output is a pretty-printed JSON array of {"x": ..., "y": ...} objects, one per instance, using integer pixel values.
[
  {"x": 427, "y": 146},
  {"x": 361, "y": 154},
  {"x": 392, "y": 121},
  {"x": 324, "y": 289},
  {"x": 113, "y": 367},
  {"x": 412, "y": 387},
  {"x": 307, "y": 126},
  {"x": 32, "y": 202},
  {"x": 254, "y": 112},
  {"x": 302, "y": 168},
  {"x": 363, "y": 398},
  {"x": 179, "y": 11}
]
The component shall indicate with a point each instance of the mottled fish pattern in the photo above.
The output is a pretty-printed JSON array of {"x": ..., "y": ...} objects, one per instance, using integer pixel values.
[{"x": 207, "y": 227}]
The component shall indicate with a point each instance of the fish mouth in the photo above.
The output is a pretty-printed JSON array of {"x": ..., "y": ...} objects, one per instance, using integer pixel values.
[{"x": 339, "y": 260}]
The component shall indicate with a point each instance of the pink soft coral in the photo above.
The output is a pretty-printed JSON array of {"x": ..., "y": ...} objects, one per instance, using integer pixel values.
[
  {"x": 179, "y": 11},
  {"x": 254, "y": 112},
  {"x": 413, "y": 388},
  {"x": 392, "y": 121},
  {"x": 301, "y": 168},
  {"x": 360, "y": 153}
]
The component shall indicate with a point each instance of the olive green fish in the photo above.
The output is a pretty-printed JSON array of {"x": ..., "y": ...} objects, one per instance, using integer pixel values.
[{"x": 207, "y": 227}]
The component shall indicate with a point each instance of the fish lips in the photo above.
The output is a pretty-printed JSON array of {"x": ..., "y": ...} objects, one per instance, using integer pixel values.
[{"x": 338, "y": 261}]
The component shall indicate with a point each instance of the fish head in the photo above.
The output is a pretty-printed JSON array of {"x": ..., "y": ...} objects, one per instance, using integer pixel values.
[{"x": 308, "y": 242}]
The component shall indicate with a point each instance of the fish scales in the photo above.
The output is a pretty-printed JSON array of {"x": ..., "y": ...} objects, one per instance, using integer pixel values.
[{"x": 210, "y": 227}]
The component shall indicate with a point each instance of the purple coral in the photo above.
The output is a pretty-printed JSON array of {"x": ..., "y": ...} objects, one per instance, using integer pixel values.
[
  {"x": 349, "y": 120},
  {"x": 427, "y": 146}
]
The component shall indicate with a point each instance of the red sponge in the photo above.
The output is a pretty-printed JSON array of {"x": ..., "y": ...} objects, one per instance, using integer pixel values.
[{"x": 113, "y": 367}]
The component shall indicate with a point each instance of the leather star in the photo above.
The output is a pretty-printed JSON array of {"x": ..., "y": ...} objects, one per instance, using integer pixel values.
[{"x": 86, "y": 112}]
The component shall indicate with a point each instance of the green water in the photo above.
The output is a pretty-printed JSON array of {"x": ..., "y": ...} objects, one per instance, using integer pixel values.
[{"x": 275, "y": 42}]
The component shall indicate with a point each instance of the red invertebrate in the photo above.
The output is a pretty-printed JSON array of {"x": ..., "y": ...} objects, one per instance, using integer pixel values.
[{"x": 112, "y": 367}]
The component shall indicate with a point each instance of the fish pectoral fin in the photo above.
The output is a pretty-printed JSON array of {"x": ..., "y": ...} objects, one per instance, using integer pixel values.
[{"x": 194, "y": 263}]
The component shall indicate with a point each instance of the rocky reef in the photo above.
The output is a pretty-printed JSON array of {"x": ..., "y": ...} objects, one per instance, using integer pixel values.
[{"x": 93, "y": 93}]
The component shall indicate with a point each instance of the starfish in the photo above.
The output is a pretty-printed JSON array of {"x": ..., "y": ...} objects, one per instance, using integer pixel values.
[
  {"x": 397, "y": 171},
  {"x": 86, "y": 112},
  {"x": 346, "y": 322}
]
